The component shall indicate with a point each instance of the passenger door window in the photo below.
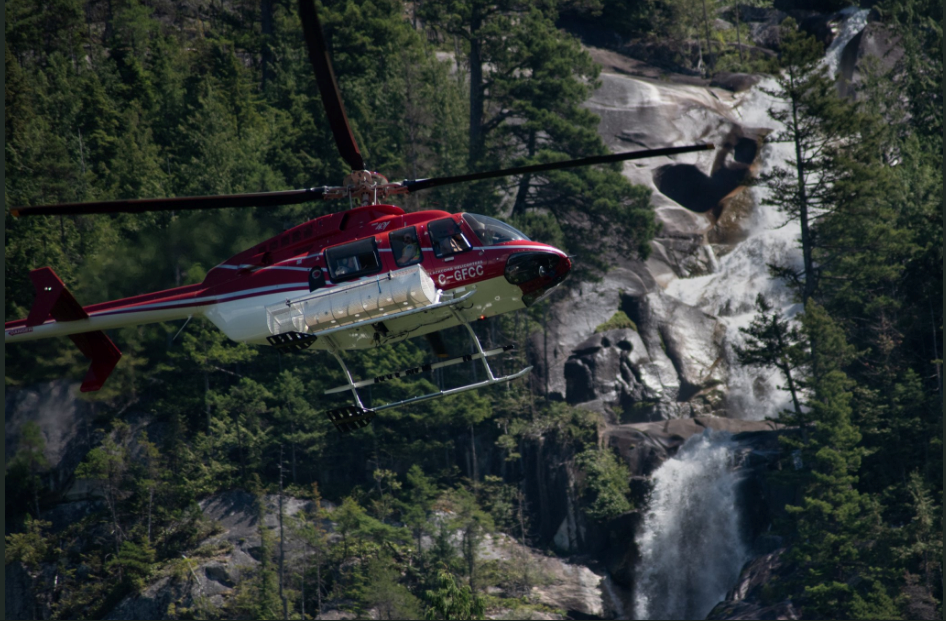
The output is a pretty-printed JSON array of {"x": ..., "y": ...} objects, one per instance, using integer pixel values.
[
  {"x": 353, "y": 260},
  {"x": 405, "y": 246}
]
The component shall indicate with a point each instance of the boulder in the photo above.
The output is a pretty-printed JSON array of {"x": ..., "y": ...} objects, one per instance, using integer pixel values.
[
  {"x": 572, "y": 587},
  {"x": 601, "y": 367},
  {"x": 575, "y": 314},
  {"x": 153, "y": 602}
]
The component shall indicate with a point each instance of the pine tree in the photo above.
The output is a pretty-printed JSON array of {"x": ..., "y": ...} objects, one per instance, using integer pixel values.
[
  {"x": 833, "y": 516},
  {"x": 922, "y": 549},
  {"x": 772, "y": 341},
  {"x": 527, "y": 81},
  {"x": 815, "y": 121},
  {"x": 28, "y": 465},
  {"x": 452, "y": 602}
]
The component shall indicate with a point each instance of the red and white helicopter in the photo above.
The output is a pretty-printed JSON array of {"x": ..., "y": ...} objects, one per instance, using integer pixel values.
[{"x": 361, "y": 278}]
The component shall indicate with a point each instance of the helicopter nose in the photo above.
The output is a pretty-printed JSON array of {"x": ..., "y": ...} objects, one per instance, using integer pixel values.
[{"x": 536, "y": 273}]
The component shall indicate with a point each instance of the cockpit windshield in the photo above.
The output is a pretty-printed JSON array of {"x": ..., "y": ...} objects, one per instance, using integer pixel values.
[{"x": 492, "y": 231}]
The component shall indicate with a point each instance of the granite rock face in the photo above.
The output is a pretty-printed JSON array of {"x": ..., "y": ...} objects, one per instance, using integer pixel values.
[
  {"x": 66, "y": 424},
  {"x": 749, "y": 598},
  {"x": 705, "y": 208},
  {"x": 680, "y": 370},
  {"x": 878, "y": 44}
]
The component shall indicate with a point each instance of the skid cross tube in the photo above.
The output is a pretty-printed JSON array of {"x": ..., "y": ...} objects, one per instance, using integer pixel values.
[
  {"x": 349, "y": 418},
  {"x": 476, "y": 341},
  {"x": 454, "y": 391},
  {"x": 424, "y": 367}
]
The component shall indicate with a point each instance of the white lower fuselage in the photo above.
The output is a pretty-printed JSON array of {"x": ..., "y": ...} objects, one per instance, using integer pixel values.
[{"x": 244, "y": 319}]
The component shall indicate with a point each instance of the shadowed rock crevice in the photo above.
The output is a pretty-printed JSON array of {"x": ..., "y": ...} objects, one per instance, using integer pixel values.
[{"x": 687, "y": 185}]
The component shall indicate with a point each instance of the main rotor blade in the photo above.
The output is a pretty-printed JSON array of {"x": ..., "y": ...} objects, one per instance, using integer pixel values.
[
  {"x": 413, "y": 185},
  {"x": 260, "y": 199},
  {"x": 328, "y": 87}
]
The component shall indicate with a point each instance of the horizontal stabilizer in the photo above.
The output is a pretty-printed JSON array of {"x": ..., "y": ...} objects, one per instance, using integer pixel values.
[{"x": 54, "y": 300}]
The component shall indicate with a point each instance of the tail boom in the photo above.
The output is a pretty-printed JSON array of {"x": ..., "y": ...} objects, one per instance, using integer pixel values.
[{"x": 56, "y": 312}]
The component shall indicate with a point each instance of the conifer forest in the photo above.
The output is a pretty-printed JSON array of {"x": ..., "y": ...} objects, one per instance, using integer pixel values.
[{"x": 204, "y": 481}]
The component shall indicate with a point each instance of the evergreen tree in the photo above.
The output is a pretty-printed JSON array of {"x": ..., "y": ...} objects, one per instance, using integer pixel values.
[
  {"x": 833, "y": 516},
  {"x": 452, "y": 602},
  {"x": 23, "y": 474},
  {"x": 922, "y": 549},
  {"x": 29, "y": 548},
  {"x": 815, "y": 120},
  {"x": 773, "y": 342},
  {"x": 107, "y": 467},
  {"x": 527, "y": 80}
]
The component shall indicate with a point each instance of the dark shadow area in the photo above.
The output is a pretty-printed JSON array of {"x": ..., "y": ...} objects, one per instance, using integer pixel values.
[
  {"x": 745, "y": 150},
  {"x": 693, "y": 189}
]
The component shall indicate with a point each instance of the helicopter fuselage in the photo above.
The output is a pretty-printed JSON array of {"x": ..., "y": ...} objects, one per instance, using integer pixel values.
[{"x": 298, "y": 262}]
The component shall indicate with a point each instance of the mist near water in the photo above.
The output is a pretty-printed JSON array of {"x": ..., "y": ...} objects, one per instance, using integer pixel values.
[{"x": 690, "y": 542}]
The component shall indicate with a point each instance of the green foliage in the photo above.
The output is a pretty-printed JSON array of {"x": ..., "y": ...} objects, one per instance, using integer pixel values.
[
  {"x": 450, "y": 601},
  {"x": 816, "y": 122},
  {"x": 134, "y": 563},
  {"x": 29, "y": 547},
  {"x": 833, "y": 517},
  {"x": 607, "y": 484},
  {"x": 386, "y": 595},
  {"x": 22, "y": 475},
  {"x": 516, "y": 121},
  {"x": 618, "y": 321},
  {"x": 774, "y": 342}
]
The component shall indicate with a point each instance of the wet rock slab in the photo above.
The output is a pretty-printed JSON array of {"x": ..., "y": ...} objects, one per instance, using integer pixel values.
[
  {"x": 749, "y": 600},
  {"x": 644, "y": 446}
]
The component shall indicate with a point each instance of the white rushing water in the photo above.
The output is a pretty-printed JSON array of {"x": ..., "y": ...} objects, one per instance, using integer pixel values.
[
  {"x": 853, "y": 20},
  {"x": 690, "y": 542},
  {"x": 691, "y": 549},
  {"x": 729, "y": 293}
]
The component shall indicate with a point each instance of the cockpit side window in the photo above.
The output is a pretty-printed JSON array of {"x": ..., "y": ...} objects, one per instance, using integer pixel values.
[
  {"x": 447, "y": 238},
  {"x": 492, "y": 231},
  {"x": 353, "y": 260},
  {"x": 406, "y": 246}
]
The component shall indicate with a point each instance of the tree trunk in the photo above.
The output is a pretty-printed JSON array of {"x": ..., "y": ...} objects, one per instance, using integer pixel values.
[
  {"x": 738, "y": 38},
  {"x": 477, "y": 100},
  {"x": 519, "y": 208},
  {"x": 806, "y": 241},
  {"x": 282, "y": 545},
  {"x": 266, "y": 60},
  {"x": 709, "y": 47},
  {"x": 473, "y": 451}
]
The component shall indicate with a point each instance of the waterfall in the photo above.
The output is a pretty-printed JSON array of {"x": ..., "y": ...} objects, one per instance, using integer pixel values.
[
  {"x": 854, "y": 21},
  {"x": 729, "y": 292},
  {"x": 691, "y": 549}
]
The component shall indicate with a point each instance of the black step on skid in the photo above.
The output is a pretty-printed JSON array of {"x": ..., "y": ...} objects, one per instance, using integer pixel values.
[
  {"x": 350, "y": 417},
  {"x": 292, "y": 341}
]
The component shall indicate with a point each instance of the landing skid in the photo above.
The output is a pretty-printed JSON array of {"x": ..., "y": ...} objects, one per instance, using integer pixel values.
[{"x": 349, "y": 418}]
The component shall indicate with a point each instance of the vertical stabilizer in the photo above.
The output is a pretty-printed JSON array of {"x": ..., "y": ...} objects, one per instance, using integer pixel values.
[{"x": 54, "y": 300}]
